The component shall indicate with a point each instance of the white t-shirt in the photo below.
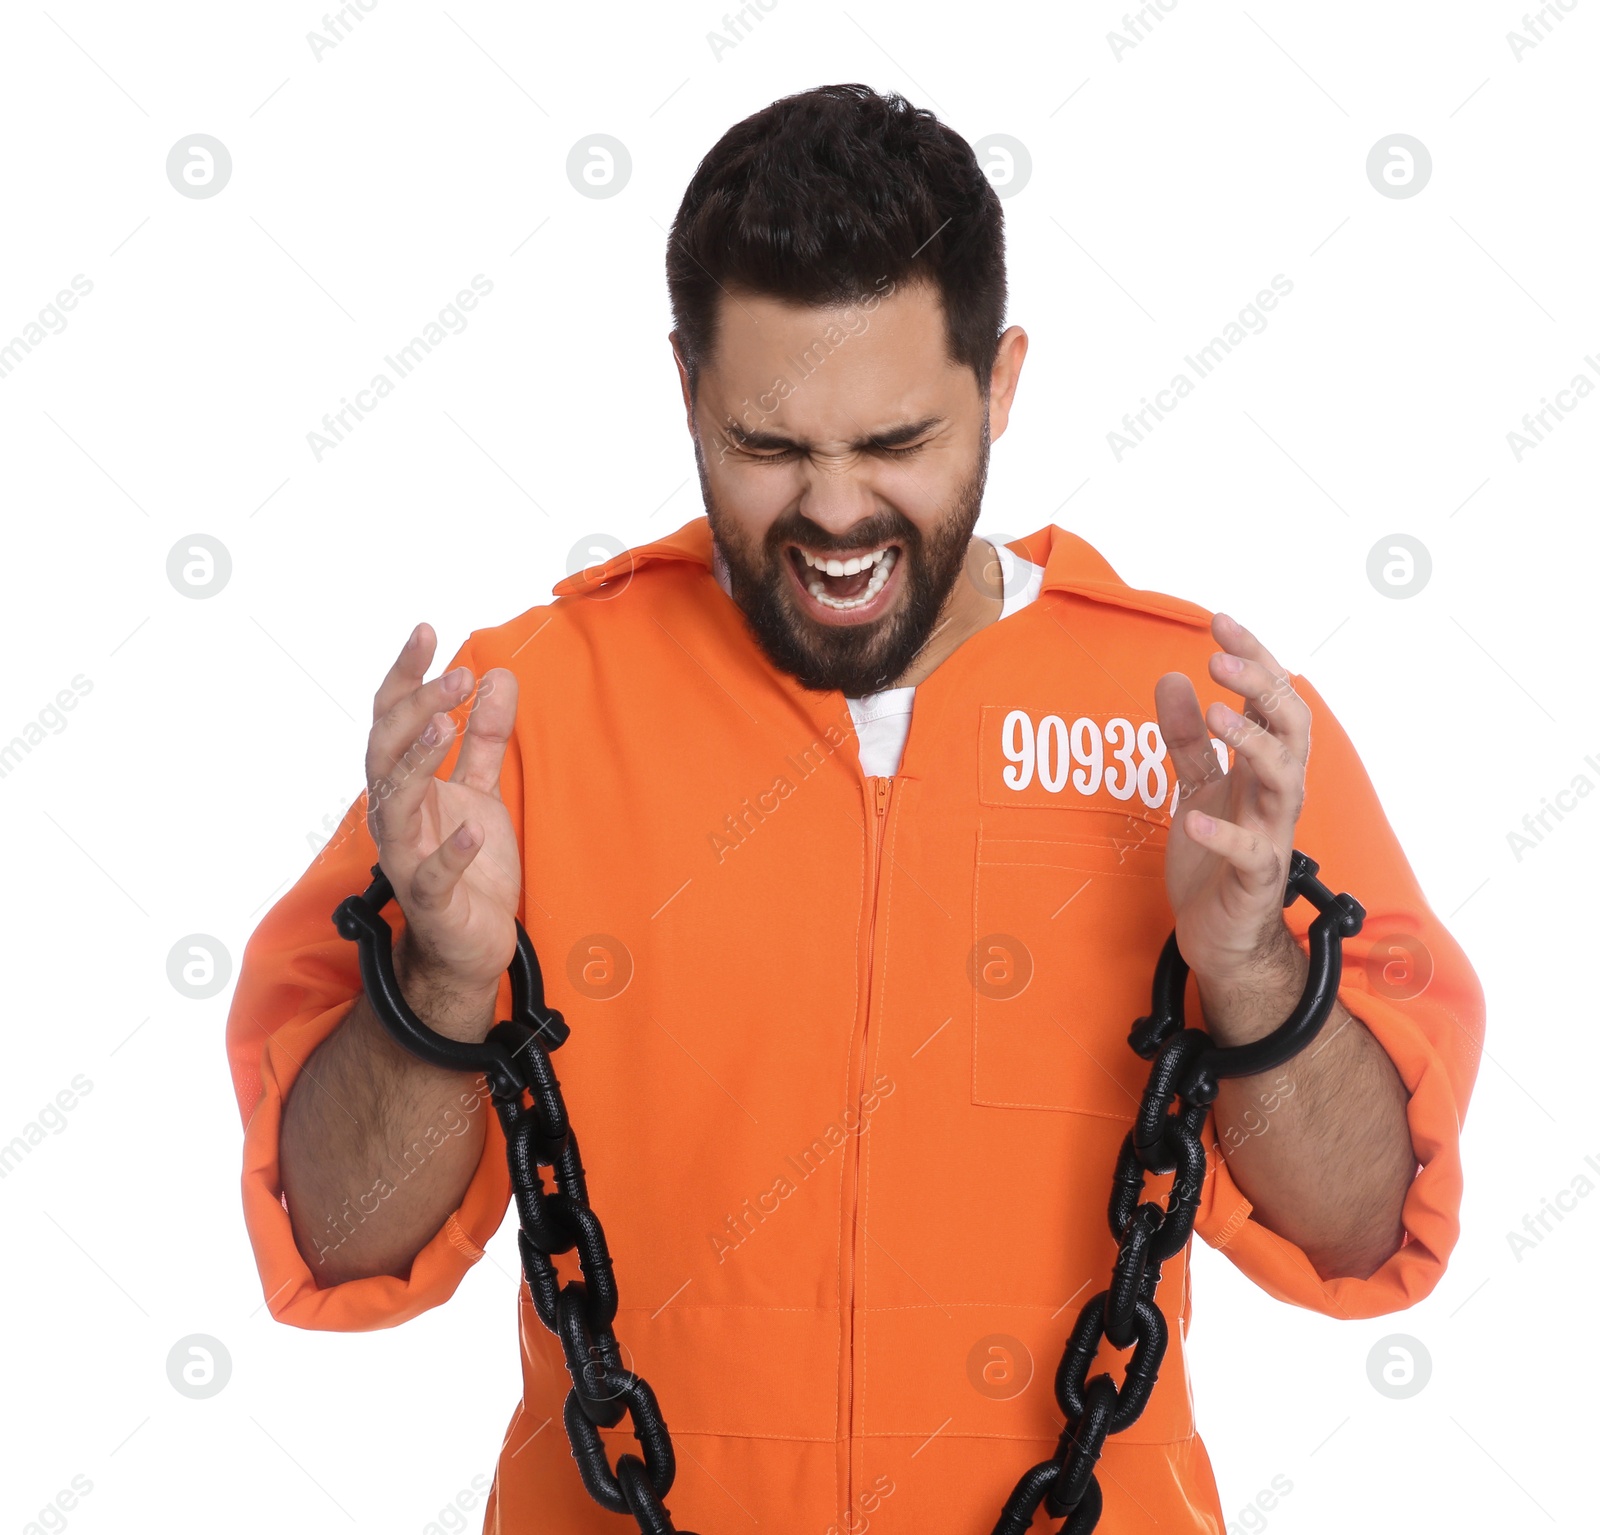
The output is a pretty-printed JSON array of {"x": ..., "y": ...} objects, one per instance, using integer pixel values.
[{"x": 883, "y": 719}]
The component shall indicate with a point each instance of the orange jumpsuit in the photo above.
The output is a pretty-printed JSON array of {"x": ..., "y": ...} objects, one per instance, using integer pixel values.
[{"x": 851, "y": 1117}]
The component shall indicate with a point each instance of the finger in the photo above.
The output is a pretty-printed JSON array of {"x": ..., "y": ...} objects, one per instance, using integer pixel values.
[
  {"x": 435, "y": 878},
  {"x": 1270, "y": 758},
  {"x": 400, "y": 749},
  {"x": 489, "y": 726},
  {"x": 395, "y": 735},
  {"x": 1186, "y": 736},
  {"x": 409, "y": 668},
  {"x": 1259, "y": 863},
  {"x": 395, "y": 795},
  {"x": 1272, "y": 700}
]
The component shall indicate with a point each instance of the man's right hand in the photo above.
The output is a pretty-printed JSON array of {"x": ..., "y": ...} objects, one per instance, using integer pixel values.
[{"x": 446, "y": 845}]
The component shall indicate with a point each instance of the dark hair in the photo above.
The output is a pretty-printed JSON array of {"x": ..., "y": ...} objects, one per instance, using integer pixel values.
[{"x": 819, "y": 197}]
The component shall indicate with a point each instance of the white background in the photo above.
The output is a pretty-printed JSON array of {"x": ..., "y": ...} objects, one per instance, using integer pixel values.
[{"x": 185, "y": 792}]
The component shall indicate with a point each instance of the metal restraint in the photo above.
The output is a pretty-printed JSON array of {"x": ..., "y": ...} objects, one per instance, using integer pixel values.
[{"x": 1186, "y": 1070}]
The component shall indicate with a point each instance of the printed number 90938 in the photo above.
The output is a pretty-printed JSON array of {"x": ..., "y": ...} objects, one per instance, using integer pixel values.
[{"x": 1049, "y": 749}]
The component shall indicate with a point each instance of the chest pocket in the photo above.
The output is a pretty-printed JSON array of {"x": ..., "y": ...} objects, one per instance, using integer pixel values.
[{"x": 1069, "y": 912}]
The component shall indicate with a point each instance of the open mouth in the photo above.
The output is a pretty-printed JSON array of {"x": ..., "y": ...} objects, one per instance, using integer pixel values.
[{"x": 844, "y": 586}]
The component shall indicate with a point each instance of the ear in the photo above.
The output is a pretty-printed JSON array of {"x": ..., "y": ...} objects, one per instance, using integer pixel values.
[
  {"x": 1007, "y": 370},
  {"x": 683, "y": 380}
]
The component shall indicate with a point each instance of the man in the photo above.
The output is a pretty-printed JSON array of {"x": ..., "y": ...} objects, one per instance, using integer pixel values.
[{"x": 848, "y": 844}]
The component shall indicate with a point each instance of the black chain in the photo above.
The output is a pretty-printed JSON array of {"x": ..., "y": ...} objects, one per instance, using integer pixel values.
[
  {"x": 515, "y": 1060},
  {"x": 1186, "y": 1069}
]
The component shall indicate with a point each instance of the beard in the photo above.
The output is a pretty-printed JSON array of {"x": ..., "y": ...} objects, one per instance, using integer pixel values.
[{"x": 861, "y": 658}]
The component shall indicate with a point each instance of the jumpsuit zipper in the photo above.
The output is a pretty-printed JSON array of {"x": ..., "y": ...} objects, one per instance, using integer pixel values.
[{"x": 880, "y": 791}]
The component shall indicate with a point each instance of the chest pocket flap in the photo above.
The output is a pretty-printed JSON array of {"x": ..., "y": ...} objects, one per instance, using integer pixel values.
[{"x": 1069, "y": 912}]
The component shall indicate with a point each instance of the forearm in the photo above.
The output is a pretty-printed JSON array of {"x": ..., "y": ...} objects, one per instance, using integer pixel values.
[
  {"x": 1320, "y": 1146},
  {"x": 377, "y": 1147}
]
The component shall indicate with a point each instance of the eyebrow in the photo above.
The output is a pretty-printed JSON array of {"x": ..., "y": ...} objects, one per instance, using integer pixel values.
[{"x": 889, "y": 437}]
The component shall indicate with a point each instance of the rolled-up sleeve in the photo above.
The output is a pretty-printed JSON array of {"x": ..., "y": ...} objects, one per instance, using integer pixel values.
[
  {"x": 1408, "y": 980},
  {"x": 298, "y": 980}
]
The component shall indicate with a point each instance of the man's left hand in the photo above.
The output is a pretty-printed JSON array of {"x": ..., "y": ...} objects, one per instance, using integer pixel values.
[
  {"x": 1227, "y": 860},
  {"x": 1333, "y": 1174}
]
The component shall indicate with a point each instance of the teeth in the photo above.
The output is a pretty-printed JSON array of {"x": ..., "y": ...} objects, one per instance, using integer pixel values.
[
  {"x": 833, "y": 566},
  {"x": 883, "y": 561}
]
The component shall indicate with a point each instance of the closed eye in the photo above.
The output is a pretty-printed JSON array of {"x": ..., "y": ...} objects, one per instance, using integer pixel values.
[{"x": 788, "y": 453}]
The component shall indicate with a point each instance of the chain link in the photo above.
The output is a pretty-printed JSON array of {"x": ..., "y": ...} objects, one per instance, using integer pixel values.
[
  {"x": 1185, "y": 1073},
  {"x": 526, "y": 1094}
]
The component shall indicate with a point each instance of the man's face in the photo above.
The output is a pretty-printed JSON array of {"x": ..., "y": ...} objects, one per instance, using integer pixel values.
[{"x": 840, "y": 434}]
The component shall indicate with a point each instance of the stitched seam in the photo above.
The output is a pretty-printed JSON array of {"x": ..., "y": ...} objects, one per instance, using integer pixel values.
[
  {"x": 459, "y": 1239},
  {"x": 839, "y": 1426},
  {"x": 887, "y": 873},
  {"x": 624, "y": 1435},
  {"x": 1230, "y": 1227}
]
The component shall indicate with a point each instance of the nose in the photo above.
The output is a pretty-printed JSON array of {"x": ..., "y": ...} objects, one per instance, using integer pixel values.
[{"x": 838, "y": 497}]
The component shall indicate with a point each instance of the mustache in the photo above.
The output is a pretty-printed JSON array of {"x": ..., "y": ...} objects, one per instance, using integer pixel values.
[{"x": 802, "y": 531}]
